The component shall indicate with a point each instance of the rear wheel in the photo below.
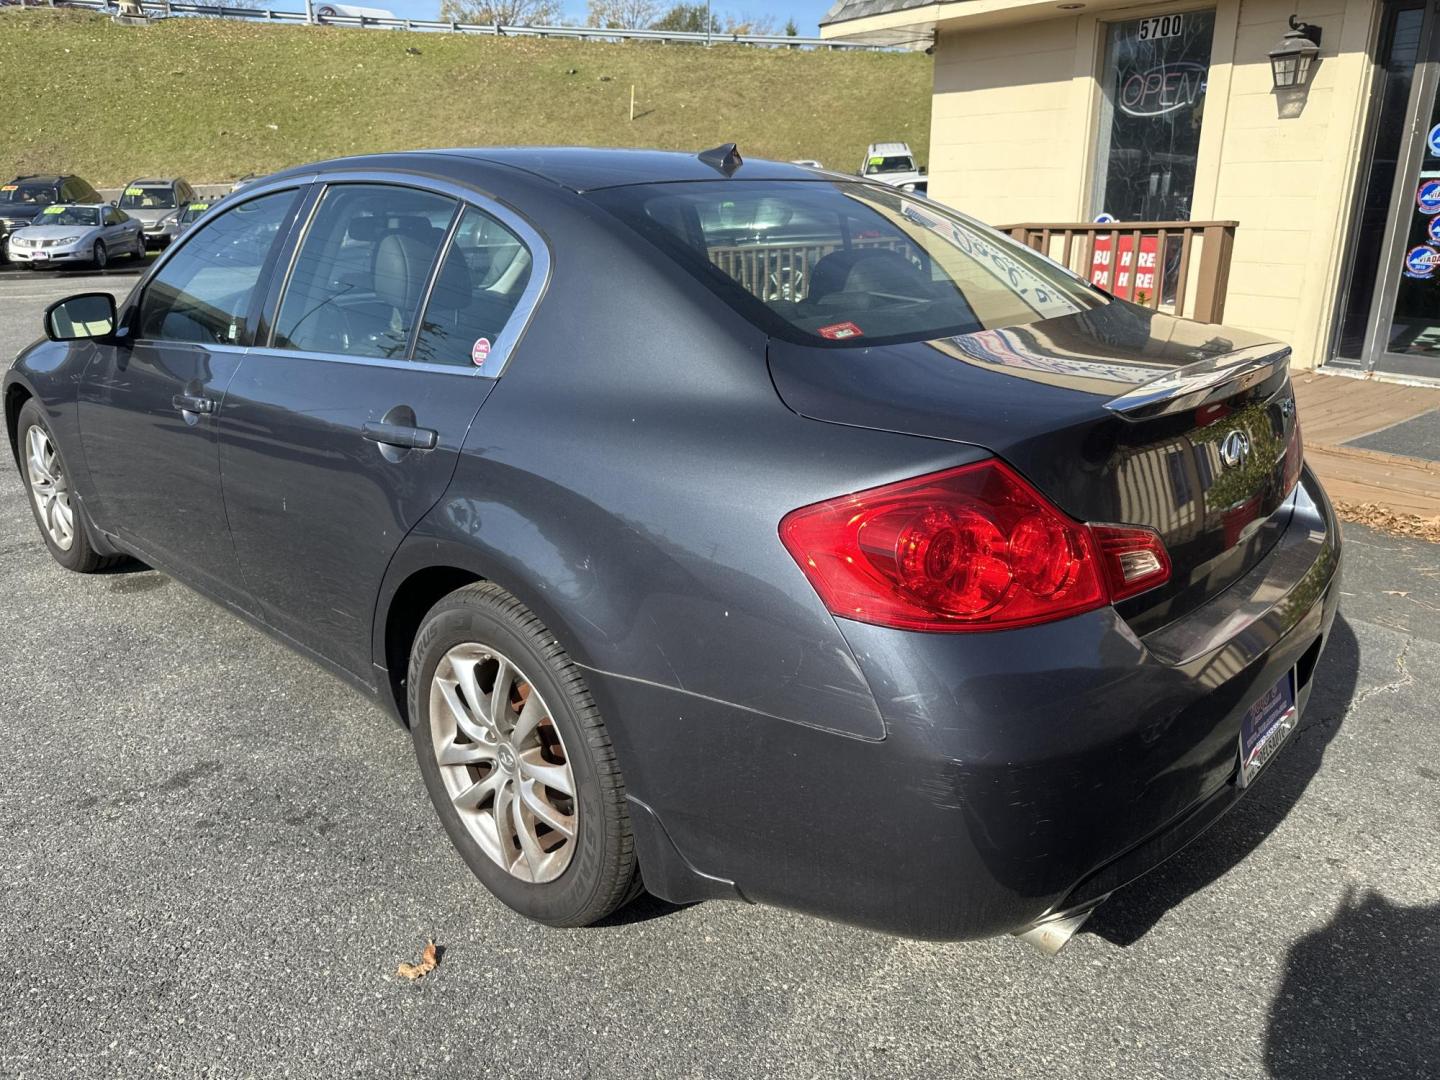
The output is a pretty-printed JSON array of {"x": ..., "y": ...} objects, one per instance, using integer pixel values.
[
  {"x": 52, "y": 499},
  {"x": 100, "y": 257},
  {"x": 517, "y": 760},
  {"x": 139, "y": 251}
]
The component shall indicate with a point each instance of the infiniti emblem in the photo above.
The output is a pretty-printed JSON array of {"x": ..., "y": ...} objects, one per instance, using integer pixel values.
[{"x": 1235, "y": 449}]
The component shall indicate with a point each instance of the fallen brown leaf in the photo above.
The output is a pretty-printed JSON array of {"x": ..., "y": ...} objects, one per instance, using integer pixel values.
[
  {"x": 427, "y": 963},
  {"x": 1391, "y": 521}
]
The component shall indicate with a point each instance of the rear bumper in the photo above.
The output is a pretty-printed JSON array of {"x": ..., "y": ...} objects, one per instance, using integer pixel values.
[{"x": 1022, "y": 772}]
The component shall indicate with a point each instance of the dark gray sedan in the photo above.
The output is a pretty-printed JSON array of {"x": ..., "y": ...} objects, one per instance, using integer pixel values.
[{"x": 734, "y": 528}]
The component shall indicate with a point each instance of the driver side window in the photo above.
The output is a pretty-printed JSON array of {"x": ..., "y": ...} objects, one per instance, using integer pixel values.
[{"x": 204, "y": 292}]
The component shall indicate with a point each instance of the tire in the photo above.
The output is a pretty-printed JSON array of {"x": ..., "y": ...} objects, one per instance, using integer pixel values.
[
  {"x": 485, "y": 629},
  {"x": 70, "y": 546},
  {"x": 139, "y": 252},
  {"x": 100, "y": 257}
]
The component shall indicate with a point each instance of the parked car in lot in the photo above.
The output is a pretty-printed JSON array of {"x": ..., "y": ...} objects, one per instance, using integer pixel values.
[
  {"x": 157, "y": 203},
  {"x": 190, "y": 213},
  {"x": 892, "y": 163},
  {"x": 26, "y": 196},
  {"x": 64, "y": 234},
  {"x": 938, "y": 592}
]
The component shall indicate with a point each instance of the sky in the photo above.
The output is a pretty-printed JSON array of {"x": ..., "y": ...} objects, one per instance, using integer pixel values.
[{"x": 806, "y": 13}]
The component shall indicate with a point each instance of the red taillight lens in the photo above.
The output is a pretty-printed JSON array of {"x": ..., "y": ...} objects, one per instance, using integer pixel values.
[
  {"x": 1134, "y": 559},
  {"x": 973, "y": 548}
]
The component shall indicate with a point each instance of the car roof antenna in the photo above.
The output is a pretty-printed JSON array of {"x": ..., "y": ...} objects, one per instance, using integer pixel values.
[{"x": 724, "y": 158}]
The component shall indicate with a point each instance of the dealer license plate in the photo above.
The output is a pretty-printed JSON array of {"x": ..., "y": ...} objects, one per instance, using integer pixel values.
[
  {"x": 39, "y": 256},
  {"x": 1265, "y": 728}
]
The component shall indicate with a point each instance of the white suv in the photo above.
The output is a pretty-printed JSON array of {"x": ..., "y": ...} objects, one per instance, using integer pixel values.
[{"x": 892, "y": 163}]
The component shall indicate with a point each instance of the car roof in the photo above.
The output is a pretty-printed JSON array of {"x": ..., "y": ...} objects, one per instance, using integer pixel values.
[
  {"x": 578, "y": 168},
  {"x": 890, "y": 149},
  {"x": 44, "y": 178},
  {"x": 153, "y": 180}
]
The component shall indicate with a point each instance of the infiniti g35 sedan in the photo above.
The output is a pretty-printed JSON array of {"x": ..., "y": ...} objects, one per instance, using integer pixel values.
[{"x": 726, "y": 528}]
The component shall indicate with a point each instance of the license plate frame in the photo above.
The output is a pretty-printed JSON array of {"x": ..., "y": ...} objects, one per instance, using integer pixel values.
[
  {"x": 39, "y": 256},
  {"x": 1266, "y": 726}
]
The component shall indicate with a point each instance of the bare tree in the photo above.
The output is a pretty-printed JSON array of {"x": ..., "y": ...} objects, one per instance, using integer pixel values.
[
  {"x": 505, "y": 12},
  {"x": 622, "y": 14}
]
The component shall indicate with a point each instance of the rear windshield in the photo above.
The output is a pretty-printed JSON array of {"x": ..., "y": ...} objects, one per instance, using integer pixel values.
[
  {"x": 848, "y": 263},
  {"x": 146, "y": 197}
]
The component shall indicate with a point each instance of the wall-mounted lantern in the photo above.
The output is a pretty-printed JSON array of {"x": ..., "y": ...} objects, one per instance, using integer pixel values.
[{"x": 1293, "y": 60}]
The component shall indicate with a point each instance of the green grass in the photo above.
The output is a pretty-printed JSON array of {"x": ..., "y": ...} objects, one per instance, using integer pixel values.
[{"x": 211, "y": 100}]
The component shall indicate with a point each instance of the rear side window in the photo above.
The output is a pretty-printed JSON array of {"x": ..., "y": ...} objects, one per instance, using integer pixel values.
[
  {"x": 485, "y": 271},
  {"x": 361, "y": 271},
  {"x": 203, "y": 292},
  {"x": 835, "y": 262}
]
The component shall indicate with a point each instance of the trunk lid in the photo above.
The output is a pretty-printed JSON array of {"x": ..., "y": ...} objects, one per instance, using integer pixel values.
[{"x": 1049, "y": 398}]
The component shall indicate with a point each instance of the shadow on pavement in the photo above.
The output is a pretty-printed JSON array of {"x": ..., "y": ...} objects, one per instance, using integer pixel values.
[
  {"x": 1133, "y": 911},
  {"x": 642, "y": 909},
  {"x": 1360, "y": 996}
]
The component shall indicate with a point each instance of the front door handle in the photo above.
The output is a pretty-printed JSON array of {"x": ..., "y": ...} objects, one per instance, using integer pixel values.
[
  {"x": 401, "y": 436},
  {"x": 193, "y": 403}
]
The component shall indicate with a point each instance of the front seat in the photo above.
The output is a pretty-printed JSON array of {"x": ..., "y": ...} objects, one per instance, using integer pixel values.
[{"x": 399, "y": 271}]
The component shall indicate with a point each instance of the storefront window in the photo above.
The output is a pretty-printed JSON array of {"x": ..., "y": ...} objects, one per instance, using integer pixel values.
[{"x": 1154, "y": 81}]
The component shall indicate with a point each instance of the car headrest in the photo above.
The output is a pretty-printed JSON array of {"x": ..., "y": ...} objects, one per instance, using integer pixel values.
[
  {"x": 862, "y": 270},
  {"x": 402, "y": 263}
]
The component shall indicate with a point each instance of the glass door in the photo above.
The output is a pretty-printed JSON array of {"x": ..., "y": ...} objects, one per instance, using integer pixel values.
[{"x": 1390, "y": 308}]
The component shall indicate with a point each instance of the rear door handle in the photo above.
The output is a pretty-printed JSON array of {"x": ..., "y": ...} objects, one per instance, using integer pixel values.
[
  {"x": 402, "y": 436},
  {"x": 193, "y": 403}
]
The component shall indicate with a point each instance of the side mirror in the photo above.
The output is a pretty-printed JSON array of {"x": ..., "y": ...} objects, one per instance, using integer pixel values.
[{"x": 80, "y": 318}]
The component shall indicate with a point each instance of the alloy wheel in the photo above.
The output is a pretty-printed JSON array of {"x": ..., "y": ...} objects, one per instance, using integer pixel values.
[
  {"x": 503, "y": 762},
  {"x": 100, "y": 258},
  {"x": 49, "y": 487}
]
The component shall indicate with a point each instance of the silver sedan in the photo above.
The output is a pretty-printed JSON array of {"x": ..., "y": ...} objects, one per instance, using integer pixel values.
[{"x": 66, "y": 234}]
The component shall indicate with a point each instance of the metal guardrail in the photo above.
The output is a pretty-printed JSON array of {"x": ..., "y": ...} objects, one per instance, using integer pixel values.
[{"x": 582, "y": 33}]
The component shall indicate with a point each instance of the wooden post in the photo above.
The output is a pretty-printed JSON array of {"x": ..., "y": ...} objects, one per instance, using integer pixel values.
[
  {"x": 1214, "y": 273},
  {"x": 632, "y": 102}
]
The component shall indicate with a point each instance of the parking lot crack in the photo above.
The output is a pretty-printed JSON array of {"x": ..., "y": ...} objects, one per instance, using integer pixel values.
[{"x": 1406, "y": 678}]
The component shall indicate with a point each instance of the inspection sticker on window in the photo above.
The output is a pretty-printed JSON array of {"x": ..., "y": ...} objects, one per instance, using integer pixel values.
[
  {"x": 840, "y": 331},
  {"x": 480, "y": 351}
]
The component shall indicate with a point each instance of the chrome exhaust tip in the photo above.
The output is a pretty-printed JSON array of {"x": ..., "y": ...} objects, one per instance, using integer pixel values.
[{"x": 1053, "y": 932}]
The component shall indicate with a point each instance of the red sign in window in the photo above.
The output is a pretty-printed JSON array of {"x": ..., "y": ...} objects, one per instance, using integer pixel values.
[{"x": 1115, "y": 268}]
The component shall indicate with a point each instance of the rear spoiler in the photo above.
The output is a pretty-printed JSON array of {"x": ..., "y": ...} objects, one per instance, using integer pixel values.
[{"x": 1199, "y": 384}]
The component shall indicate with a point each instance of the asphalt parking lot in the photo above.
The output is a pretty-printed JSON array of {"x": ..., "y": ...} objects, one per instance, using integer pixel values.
[{"x": 215, "y": 855}]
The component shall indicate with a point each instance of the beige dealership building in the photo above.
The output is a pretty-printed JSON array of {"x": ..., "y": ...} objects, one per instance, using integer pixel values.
[{"x": 1322, "y": 198}]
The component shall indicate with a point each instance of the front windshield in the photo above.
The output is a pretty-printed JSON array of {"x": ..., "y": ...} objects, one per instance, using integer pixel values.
[
  {"x": 837, "y": 262},
  {"x": 145, "y": 197},
  {"x": 69, "y": 215},
  {"x": 889, "y": 164},
  {"x": 27, "y": 194}
]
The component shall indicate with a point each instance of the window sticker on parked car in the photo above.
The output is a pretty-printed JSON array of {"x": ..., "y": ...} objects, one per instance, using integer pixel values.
[
  {"x": 53, "y": 210},
  {"x": 840, "y": 331},
  {"x": 480, "y": 351},
  {"x": 199, "y": 206},
  {"x": 134, "y": 191},
  {"x": 10, "y": 187}
]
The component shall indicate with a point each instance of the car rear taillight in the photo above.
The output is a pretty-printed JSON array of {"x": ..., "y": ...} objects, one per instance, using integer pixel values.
[{"x": 973, "y": 548}]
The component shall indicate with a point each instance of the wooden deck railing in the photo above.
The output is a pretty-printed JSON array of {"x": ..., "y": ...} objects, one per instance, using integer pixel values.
[{"x": 1181, "y": 267}]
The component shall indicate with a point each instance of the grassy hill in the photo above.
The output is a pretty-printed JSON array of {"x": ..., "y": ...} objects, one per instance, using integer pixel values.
[{"x": 211, "y": 99}]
